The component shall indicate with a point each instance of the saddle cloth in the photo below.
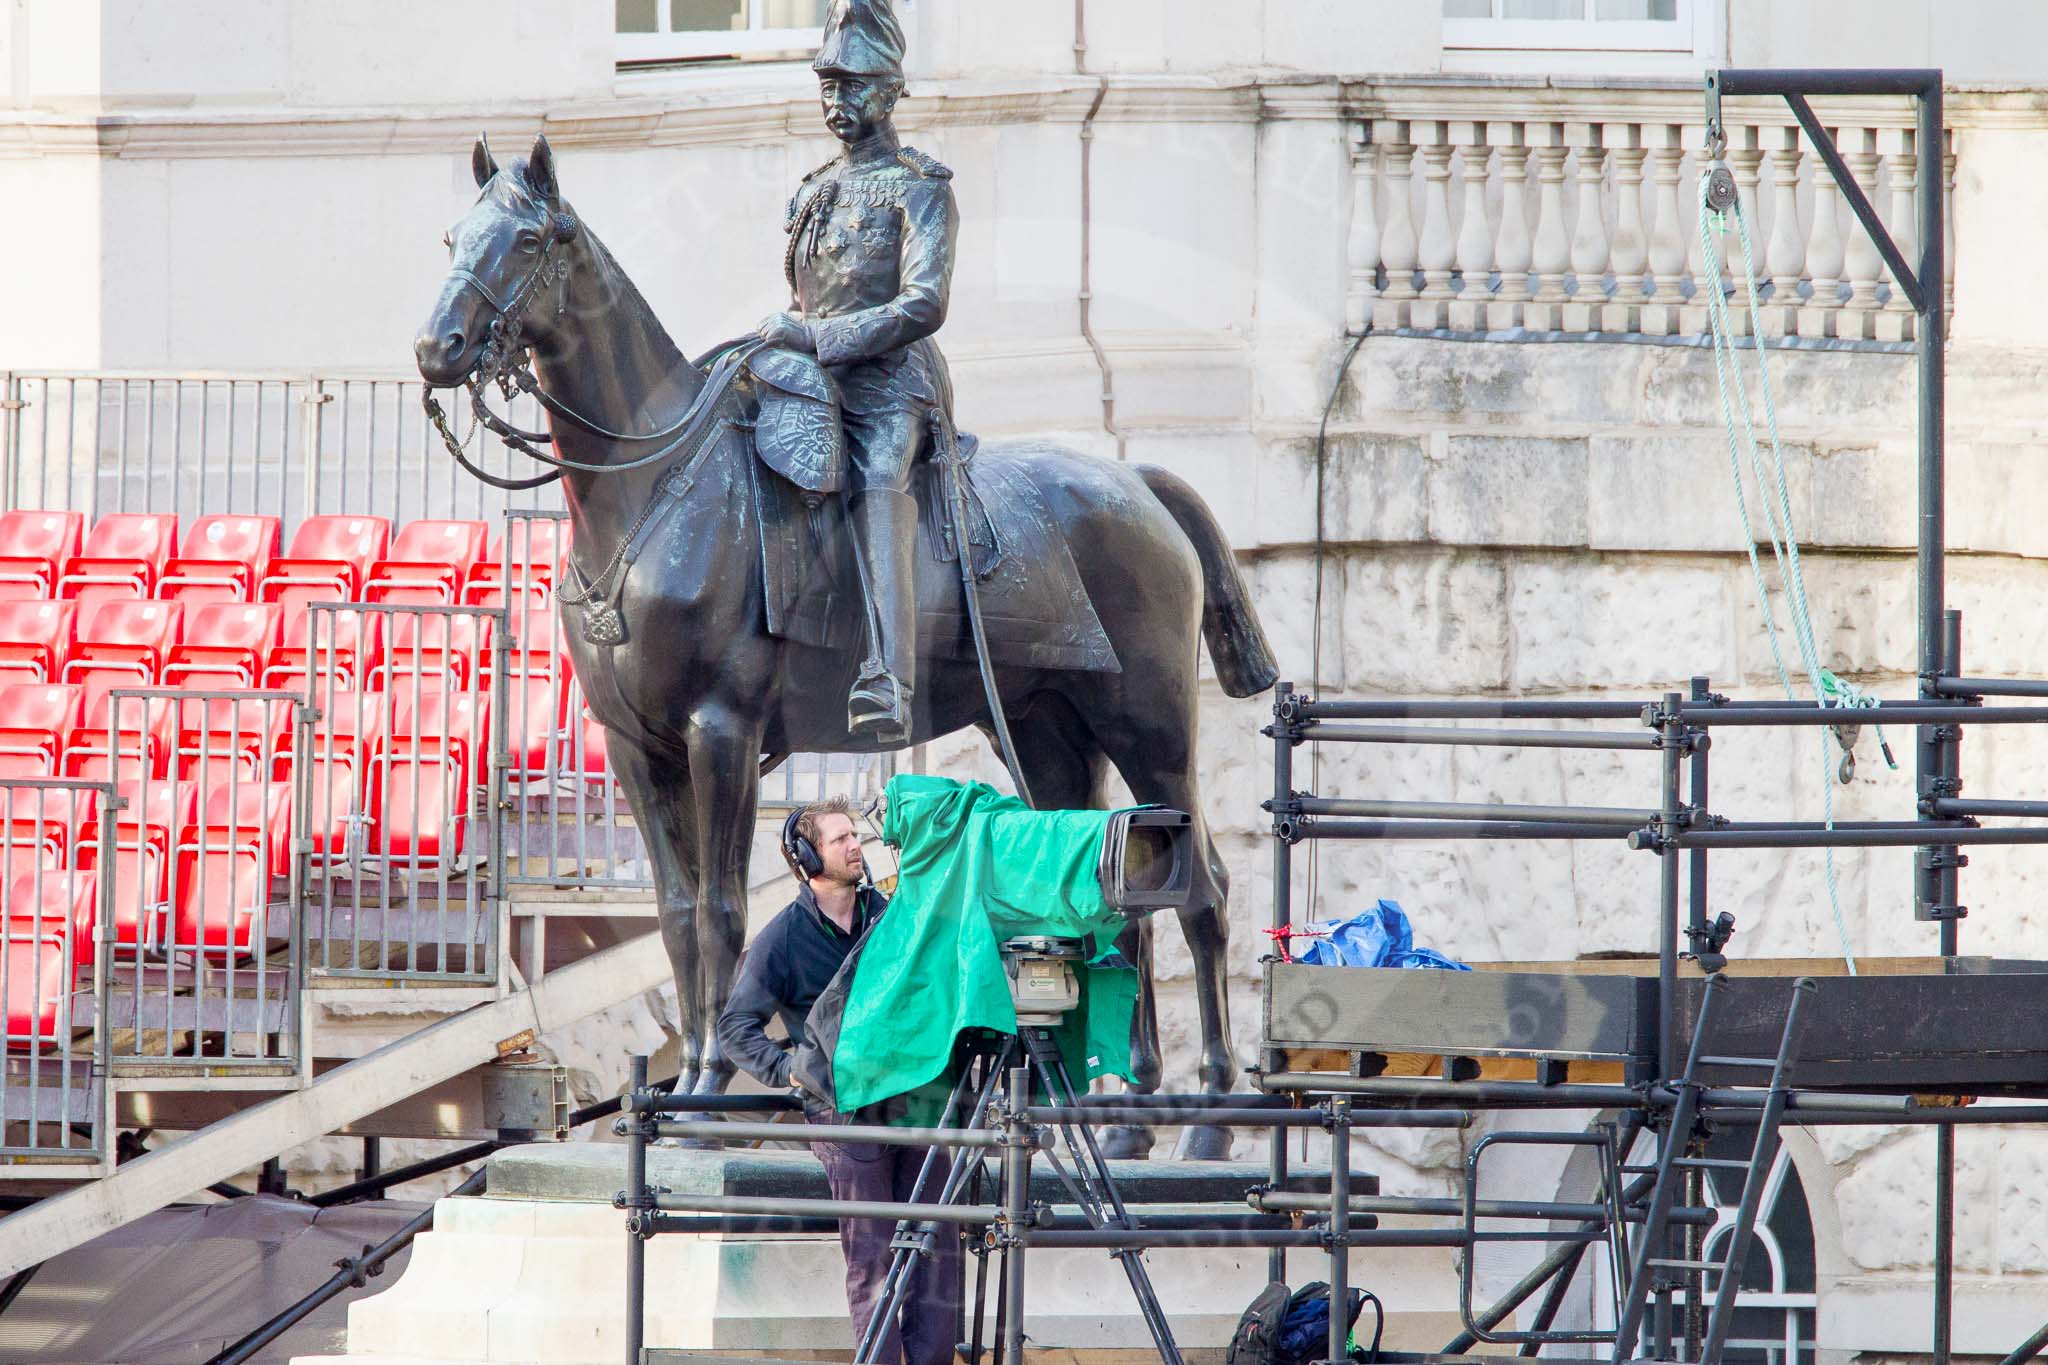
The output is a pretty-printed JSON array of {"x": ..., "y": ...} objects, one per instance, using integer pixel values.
[{"x": 1036, "y": 610}]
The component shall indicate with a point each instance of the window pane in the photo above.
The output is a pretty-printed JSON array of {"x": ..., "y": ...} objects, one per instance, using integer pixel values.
[
  {"x": 1666, "y": 10},
  {"x": 1468, "y": 9},
  {"x": 636, "y": 16},
  {"x": 1544, "y": 9},
  {"x": 794, "y": 13},
  {"x": 707, "y": 16}
]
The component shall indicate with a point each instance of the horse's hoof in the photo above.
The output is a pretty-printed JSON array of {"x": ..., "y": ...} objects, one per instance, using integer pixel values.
[
  {"x": 1125, "y": 1142},
  {"x": 1205, "y": 1144}
]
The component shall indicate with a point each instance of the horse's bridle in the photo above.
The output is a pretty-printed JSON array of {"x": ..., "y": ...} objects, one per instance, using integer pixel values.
[{"x": 503, "y": 361}]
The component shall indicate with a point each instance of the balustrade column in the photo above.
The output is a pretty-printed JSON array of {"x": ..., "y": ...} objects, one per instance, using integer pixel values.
[
  {"x": 1824, "y": 253},
  {"x": 1437, "y": 250},
  {"x": 1948, "y": 228},
  {"x": 1902, "y": 167},
  {"x": 1475, "y": 239},
  {"x": 1552, "y": 252},
  {"x": 1362, "y": 248},
  {"x": 1514, "y": 249},
  {"x": 1631, "y": 248},
  {"x": 1785, "y": 257},
  {"x": 1397, "y": 229},
  {"x": 1746, "y": 164},
  {"x": 1861, "y": 261},
  {"x": 1589, "y": 234},
  {"x": 1660, "y": 317}
]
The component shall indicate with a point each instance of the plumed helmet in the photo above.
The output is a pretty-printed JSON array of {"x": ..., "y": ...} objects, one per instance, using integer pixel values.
[{"x": 862, "y": 38}]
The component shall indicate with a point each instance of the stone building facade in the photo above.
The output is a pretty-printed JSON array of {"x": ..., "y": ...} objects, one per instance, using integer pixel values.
[{"x": 1526, "y": 481}]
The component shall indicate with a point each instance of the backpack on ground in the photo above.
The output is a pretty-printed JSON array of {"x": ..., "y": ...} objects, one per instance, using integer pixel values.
[{"x": 1283, "y": 1328}]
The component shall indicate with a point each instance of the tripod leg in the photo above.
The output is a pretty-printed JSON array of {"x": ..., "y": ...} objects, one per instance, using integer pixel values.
[
  {"x": 903, "y": 1260},
  {"x": 981, "y": 1255},
  {"x": 1060, "y": 1090}
]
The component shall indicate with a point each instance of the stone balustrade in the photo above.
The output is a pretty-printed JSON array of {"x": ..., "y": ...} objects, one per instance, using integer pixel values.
[{"x": 1494, "y": 205}]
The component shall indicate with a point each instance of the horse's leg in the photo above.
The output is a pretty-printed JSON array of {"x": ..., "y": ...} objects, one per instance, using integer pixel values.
[
  {"x": 656, "y": 786},
  {"x": 1157, "y": 760},
  {"x": 725, "y": 767}
]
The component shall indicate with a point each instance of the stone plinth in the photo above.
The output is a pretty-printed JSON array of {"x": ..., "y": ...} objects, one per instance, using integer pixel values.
[{"x": 534, "y": 1270}]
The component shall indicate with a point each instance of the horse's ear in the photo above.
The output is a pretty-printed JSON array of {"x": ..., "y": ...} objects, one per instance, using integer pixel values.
[
  {"x": 540, "y": 170},
  {"x": 481, "y": 164}
]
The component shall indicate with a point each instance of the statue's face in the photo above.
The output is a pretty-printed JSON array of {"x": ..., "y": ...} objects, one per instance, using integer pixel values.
[{"x": 855, "y": 106}]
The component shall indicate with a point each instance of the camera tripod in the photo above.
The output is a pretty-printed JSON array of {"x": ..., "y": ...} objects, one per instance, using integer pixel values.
[{"x": 1006, "y": 1064}]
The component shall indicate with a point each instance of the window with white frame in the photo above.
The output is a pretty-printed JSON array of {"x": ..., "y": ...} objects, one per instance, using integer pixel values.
[
  {"x": 1618, "y": 37},
  {"x": 696, "y": 30}
]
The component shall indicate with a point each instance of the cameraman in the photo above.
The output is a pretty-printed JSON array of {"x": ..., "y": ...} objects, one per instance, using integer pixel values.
[{"x": 787, "y": 967}]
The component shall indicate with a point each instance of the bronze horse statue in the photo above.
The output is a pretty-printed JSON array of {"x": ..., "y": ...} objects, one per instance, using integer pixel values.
[{"x": 693, "y": 688}]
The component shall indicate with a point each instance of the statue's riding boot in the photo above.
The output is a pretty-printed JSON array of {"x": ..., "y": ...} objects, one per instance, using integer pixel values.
[{"x": 885, "y": 534}]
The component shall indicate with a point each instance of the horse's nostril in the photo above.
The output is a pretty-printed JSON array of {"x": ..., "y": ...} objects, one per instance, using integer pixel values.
[{"x": 452, "y": 343}]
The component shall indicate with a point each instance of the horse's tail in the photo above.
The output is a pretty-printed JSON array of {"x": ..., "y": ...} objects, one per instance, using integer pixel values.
[{"x": 1237, "y": 643}]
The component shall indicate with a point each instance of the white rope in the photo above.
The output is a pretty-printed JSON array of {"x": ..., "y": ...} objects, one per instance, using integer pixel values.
[{"x": 1777, "y": 518}]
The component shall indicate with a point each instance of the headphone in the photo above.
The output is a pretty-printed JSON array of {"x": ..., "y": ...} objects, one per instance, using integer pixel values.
[{"x": 798, "y": 851}]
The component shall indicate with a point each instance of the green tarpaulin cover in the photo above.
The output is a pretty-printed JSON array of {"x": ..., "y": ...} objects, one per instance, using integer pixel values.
[{"x": 976, "y": 867}]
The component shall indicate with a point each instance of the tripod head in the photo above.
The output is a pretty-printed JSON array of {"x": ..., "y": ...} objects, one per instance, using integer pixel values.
[{"x": 1043, "y": 987}]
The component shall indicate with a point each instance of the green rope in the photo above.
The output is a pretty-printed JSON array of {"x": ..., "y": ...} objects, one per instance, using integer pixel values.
[{"x": 1773, "y": 489}]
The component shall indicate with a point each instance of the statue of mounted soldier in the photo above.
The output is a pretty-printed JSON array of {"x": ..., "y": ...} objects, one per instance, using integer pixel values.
[{"x": 780, "y": 565}]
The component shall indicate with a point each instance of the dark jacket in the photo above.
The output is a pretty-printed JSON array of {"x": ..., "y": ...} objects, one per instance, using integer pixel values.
[{"x": 784, "y": 972}]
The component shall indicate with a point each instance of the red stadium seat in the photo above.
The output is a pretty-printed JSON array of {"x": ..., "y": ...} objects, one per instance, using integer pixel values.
[
  {"x": 536, "y": 719},
  {"x": 535, "y": 649},
  {"x": 226, "y": 644},
  {"x": 430, "y": 561},
  {"x": 36, "y": 638},
  {"x": 34, "y": 547},
  {"x": 35, "y": 719},
  {"x": 47, "y": 817},
  {"x": 446, "y": 650},
  {"x": 419, "y": 807},
  {"x": 213, "y": 733},
  {"x": 125, "y": 637},
  {"x": 454, "y": 724},
  {"x": 221, "y": 895},
  {"x": 44, "y": 914},
  {"x": 141, "y": 733},
  {"x": 123, "y": 556},
  {"x": 524, "y": 560},
  {"x": 238, "y": 811},
  {"x": 222, "y": 560},
  {"x": 350, "y": 643},
  {"x": 145, "y": 833},
  {"x": 331, "y": 554}
]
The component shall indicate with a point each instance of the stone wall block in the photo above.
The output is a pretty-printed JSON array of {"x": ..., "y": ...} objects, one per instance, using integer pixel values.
[
  {"x": 1579, "y": 621},
  {"x": 2022, "y": 1209},
  {"x": 1424, "y": 623},
  {"x": 1995, "y": 492},
  {"x": 1862, "y": 497},
  {"x": 1675, "y": 492},
  {"x": 1814, "y": 391},
  {"x": 1862, "y": 611},
  {"x": 1508, "y": 490},
  {"x": 1283, "y": 594},
  {"x": 1886, "y": 1203},
  {"x": 1372, "y": 491},
  {"x": 1453, "y": 385},
  {"x": 2005, "y": 625}
]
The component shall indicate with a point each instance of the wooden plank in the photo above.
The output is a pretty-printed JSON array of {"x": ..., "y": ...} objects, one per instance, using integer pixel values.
[{"x": 1326, "y": 1061}]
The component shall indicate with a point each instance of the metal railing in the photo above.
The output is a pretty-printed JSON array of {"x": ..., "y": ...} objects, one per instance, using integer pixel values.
[
  {"x": 401, "y": 782},
  {"x": 291, "y": 446},
  {"x": 204, "y": 941},
  {"x": 56, "y": 926}
]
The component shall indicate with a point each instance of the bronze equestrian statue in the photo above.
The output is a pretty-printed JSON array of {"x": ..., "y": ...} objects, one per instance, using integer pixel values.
[{"x": 723, "y": 602}]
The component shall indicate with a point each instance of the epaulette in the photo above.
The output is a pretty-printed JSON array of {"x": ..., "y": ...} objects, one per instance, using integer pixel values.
[{"x": 929, "y": 167}]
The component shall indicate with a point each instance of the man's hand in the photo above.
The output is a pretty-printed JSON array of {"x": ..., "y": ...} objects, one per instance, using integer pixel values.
[{"x": 786, "y": 329}]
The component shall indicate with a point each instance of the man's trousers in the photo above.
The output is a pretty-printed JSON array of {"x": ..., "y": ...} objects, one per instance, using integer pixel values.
[{"x": 924, "y": 1331}]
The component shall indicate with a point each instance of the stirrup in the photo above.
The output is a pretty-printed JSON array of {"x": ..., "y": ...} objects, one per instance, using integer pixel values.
[{"x": 879, "y": 707}]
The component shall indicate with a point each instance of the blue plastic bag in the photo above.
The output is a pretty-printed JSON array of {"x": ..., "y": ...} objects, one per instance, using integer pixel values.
[{"x": 1379, "y": 937}]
